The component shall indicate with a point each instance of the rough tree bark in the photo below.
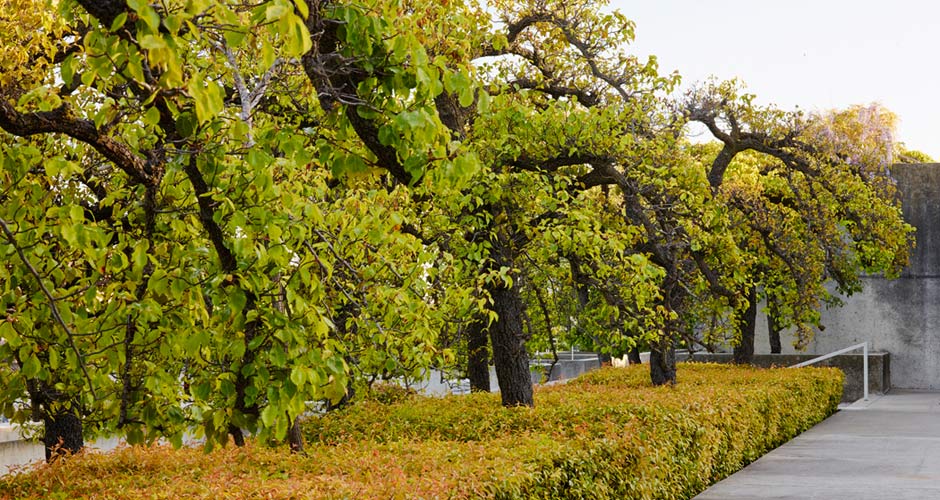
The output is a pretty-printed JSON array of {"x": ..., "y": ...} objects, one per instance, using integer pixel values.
[
  {"x": 295, "y": 438},
  {"x": 773, "y": 329},
  {"x": 63, "y": 434},
  {"x": 62, "y": 427},
  {"x": 744, "y": 351},
  {"x": 633, "y": 355},
  {"x": 508, "y": 341},
  {"x": 663, "y": 362},
  {"x": 478, "y": 356}
]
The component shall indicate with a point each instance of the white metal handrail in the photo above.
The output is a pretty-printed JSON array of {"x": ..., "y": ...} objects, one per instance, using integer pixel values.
[{"x": 863, "y": 346}]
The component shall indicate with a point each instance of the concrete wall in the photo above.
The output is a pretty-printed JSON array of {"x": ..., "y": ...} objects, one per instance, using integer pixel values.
[
  {"x": 569, "y": 366},
  {"x": 900, "y": 316},
  {"x": 17, "y": 452}
]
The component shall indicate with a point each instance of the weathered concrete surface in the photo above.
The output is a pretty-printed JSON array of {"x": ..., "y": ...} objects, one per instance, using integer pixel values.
[
  {"x": 879, "y": 369},
  {"x": 569, "y": 366},
  {"x": 900, "y": 316},
  {"x": 887, "y": 448},
  {"x": 16, "y": 452}
]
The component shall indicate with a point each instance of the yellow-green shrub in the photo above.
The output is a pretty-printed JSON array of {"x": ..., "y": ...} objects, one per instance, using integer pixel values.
[{"x": 608, "y": 434}]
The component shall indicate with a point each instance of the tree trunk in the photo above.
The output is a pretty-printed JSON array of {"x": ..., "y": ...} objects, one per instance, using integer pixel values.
[
  {"x": 773, "y": 329},
  {"x": 633, "y": 355},
  {"x": 663, "y": 363},
  {"x": 478, "y": 356},
  {"x": 63, "y": 434},
  {"x": 744, "y": 351},
  {"x": 238, "y": 435},
  {"x": 508, "y": 341},
  {"x": 295, "y": 438}
]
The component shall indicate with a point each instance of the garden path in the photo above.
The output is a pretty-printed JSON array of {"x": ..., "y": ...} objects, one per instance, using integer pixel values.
[{"x": 887, "y": 447}]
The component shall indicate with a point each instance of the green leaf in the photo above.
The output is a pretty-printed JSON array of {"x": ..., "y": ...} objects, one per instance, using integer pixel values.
[
  {"x": 139, "y": 256},
  {"x": 200, "y": 391},
  {"x": 466, "y": 96},
  {"x": 237, "y": 299},
  {"x": 152, "y": 116},
  {"x": 234, "y": 38},
  {"x": 59, "y": 166},
  {"x": 31, "y": 366},
  {"x": 146, "y": 14},
  {"x": 297, "y": 36},
  {"x": 275, "y": 11},
  {"x": 119, "y": 21},
  {"x": 388, "y": 136},
  {"x": 347, "y": 164},
  {"x": 151, "y": 42},
  {"x": 76, "y": 214},
  {"x": 186, "y": 124},
  {"x": 173, "y": 23},
  {"x": 411, "y": 119},
  {"x": 268, "y": 415},
  {"x": 302, "y": 8},
  {"x": 298, "y": 376},
  {"x": 268, "y": 55},
  {"x": 278, "y": 357},
  {"x": 178, "y": 287},
  {"x": 68, "y": 69},
  {"x": 208, "y": 98}
]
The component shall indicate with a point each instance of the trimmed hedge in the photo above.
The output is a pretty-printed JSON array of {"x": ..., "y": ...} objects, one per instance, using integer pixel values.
[{"x": 607, "y": 434}]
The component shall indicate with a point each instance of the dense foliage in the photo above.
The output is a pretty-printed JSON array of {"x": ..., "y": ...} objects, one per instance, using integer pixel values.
[
  {"x": 585, "y": 440},
  {"x": 216, "y": 215}
]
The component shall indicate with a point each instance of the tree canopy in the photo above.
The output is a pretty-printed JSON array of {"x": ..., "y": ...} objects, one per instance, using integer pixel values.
[{"x": 216, "y": 212}]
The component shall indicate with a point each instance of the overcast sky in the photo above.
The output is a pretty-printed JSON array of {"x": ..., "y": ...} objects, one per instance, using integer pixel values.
[{"x": 817, "y": 55}]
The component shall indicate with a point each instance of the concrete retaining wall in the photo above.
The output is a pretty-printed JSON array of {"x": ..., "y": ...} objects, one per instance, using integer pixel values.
[
  {"x": 16, "y": 452},
  {"x": 900, "y": 316},
  {"x": 879, "y": 369},
  {"x": 568, "y": 366}
]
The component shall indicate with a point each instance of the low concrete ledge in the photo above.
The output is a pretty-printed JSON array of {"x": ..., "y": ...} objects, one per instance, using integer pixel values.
[
  {"x": 9, "y": 432},
  {"x": 879, "y": 368},
  {"x": 568, "y": 366}
]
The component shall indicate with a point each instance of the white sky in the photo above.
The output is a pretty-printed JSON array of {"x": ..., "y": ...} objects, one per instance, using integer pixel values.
[{"x": 817, "y": 55}]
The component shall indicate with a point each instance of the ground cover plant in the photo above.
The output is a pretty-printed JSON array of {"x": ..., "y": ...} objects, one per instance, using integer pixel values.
[{"x": 589, "y": 438}]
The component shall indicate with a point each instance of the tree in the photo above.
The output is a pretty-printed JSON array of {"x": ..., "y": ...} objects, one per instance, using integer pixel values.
[
  {"x": 181, "y": 258},
  {"x": 559, "y": 104},
  {"x": 813, "y": 199},
  {"x": 215, "y": 212}
]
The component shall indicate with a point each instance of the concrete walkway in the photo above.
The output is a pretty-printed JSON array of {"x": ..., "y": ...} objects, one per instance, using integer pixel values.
[{"x": 886, "y": 448}]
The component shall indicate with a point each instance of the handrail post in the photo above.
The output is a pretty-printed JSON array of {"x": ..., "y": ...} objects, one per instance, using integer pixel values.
[
  {"x": 863, "y": 346},
  {"x": 865, "y": 367}
]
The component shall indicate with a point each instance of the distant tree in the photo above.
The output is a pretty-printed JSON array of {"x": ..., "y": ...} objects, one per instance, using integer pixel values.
[
  {"x": 913, "y": 156},
  {"x": 813, "y": 199}
]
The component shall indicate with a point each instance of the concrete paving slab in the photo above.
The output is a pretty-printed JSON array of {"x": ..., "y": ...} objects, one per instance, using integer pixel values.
[{"x": 887, "y": 447}]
